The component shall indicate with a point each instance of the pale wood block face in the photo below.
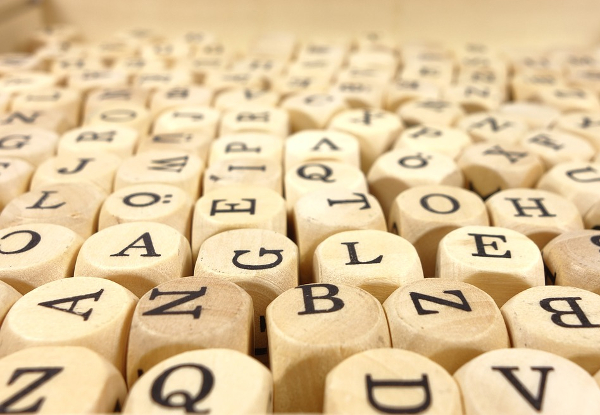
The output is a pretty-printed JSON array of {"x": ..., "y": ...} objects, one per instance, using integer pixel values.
[
  {"x": 179, "y": 96},
  {"x": 96, "y": 168},
  {"x": 583, "y": 124},
  {"x": 15, "y": 175},
  {"x": 154, "y": 202},
  {"x": 262, "y": 262},
  {"x": 576, "y": 181},
  {"x": 211, "y": 381},
  {"x": 137, "y": 255},
  {"x": 560, "y": 320},
  {"x": 65, "y": 379},
  {"x": 15, "y": 63},
  {"x": 488, "y": 74},
  {"x": 237, "y": 207},
  {"x": 432, "y": 138},
  {"x": 18, "y": 83},
  {"x": 490, "y": 168},
  {"x": 390, "y": 381},
  {"x": 570, "y": 99},
  {"x": 475, "y": 97},
  {"x": 401, "y": 169},
  {"x": 326, "y": 212},
  {"x": 404, "y": 90},
  {"x": 555, "y": 147},
  {"x": 134, "y": 65},
  {"x": 187, "y": 314},
  {"x": 193, "y": 143},
  {"x": 202, "y": 66},
  {"x": 375, "y": 130},
  {"x": 8, "y": 296},
  {"x": 65, "y": 101},
  {"x": 228, "y": 79},
  {"x": 264, "y": 120},
  {"x": 50, "y": 120},
  {"x": 114, "y": 139},
  {"x": 309, "y": 176},
  {"x": 450, "y": 322},
  {"x": 312, "y": 328},
  {"x": 526, "y": 381},
  {"x": 423, "y": 215},
  {"x": 152, "y": 80},
  {"x": 530, "y": 86},
  {"x": 169, "y": 52},
  {"x": 500, "y": 261},
  {"x": 297, "y": 83},
  {"x": 321, "y": 145},
  {"x": 359, "y": 94},
  {"x": 63, "y": 65},
  {"x": 36, "y": 254},
  {"x": 99, "y": 98},
  {"x": 130, "y": 115},
  {"x": 535, "y": 115},
  {"x": 254, "y": 145},
  {"x": 89, "y": 79},
  {"x": 538, "y": 214},
  {"x": 188, "y": 119},
  {"x": 253, "y": 171},
  {"x": 176, "y": 168},
  {"x": 494, "y": 128},
  {"x": 311, "y": 110},
  {"x": 246, "y": 98},
  {"x": 89, "y": 312},
  {"x": 376, "y": 261},
  {"x": 363, "y": 72},
  {"x": 570, "y": 260},
  {"x": 73, "y": 205}
]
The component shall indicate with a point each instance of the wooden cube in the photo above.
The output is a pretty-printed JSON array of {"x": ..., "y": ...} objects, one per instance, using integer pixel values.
[
  {"x": 423, "y": 215},
  {"x": 179, "y": 96},
  {"x": 400, "y": 169},
  {"x": 500, "y": 261},
  {"x": 431, "y": 112},
  {"x": 534, "y": 115},
  {"x": 34, "y": 145},
  {"x": 214, "y": 380},
  {"x": 312, "y": 328},
  {"x": 99, "y": 98},
  {"x": 153, "y": 202},
  {"x": 65, "y": 101},
  {"x": 378, "y": 262},
  {"x": 246, "y": 98},
  {"x": 450, "y": 322},
  {"x": 403, "y": 90},
  {"x": 89, "y": 312},
  {"x": 194, "y": 143},
  {"x": 87, "y": 80},
  {"x": 262, "y": 262},
  {"x": 555, "y": 147},
  {"x": 187, "y": 314},
  {"x": 321, "y": 145},
  {"x": 23, "y": 82},
  {"x": 431, "y": 138},
  {"x": 474, "y": 98},
  {"x": 526, "y": 381},
  {"x": 359, "y": 94},
  {"x": 326, "y": 212},
  {"x": 73, "y": 205},
  {"x": 252, "y": 171},
  {"x": 46, "y": 120},
  {"x": 310, "y": 110},
  {"x": 137, "y": 255},
  {"x": 494, "y": 128},
  {"x": 152, "y": 80},
  {"x": 124, "y": 114},
  {"x": 8, "y": 296},
  {"x": 252, "y": 119},
  {"x": 254, "y": 145},
  {"x": 390, "y": 381},
  {"x": 188, "y": 119},
  {"x": 15, "y": 175},
  {"x": 570, "y": 99},
  {"x": 582, "y": 124},
  {"x": 63, "y": 379},
  {"x": 118, "y": 140}
]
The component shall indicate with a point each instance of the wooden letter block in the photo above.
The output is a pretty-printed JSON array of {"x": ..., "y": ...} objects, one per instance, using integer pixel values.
[
  {"x": 19, "y": 83},
  {"x": 194, "y": 143},
  {"x": 65, "y": 101},
  {"x": 8, "y": 296},
  {"x": 582, "y": 124},
  {"x": 152, "y": 80},
  {"x": 490, "y": 168},
  {"x": 449, "y": 322},
  {"x": 87, "y": 80},
  {"x": 65, "y": 379},
  {"x": 378, "y": 262},
  {"x": 137, "y": 255},
  {"x": 538, "y": 214},
  {"x": 325, "y": 212},
  {"x": 89, "y": 312},
  {"x": 390, "y": 381},
  {"x": 237, "y": 207},
  {"x": 34, "y": 145},
  {"x": 560, "y": 320},
  {"x": 252, "y": 171},
  {"x": 398, "y": 170},
  {"x": 432, "y": 138},
  {"x": 160, "y": 203},
  {"x": 423, "y": 215},
  {"x": 262, "y": 262},
  {"x": 307, "y": 177},
  {"x": 188, "y": 119},
  {"x": 130, "y": 115},
  {"x": 359, "y": 93},
  {"x": 475, "y": 98},
  {"x": 431, "y": 112},
  {"x": 246, "y": 98},
  {"x": 171, "y": 98},
  {"x": 37, "y": 253},
  {"x": 73, "y": 205},
  {"x": 311, "y": 110},
  {"x": 99, "y": 98},
  {"x": 500, "y": 261},
  {"x": 312, "y": 328},
  {"x": 176, "y": 168},
  {"x": 494, "y": 128},
  {"x": 570, "y": 99},
  {"x": 536, "y": 116},
  {"x": 115, "y": 139},
  {"x": 218, "y": 381},
  {"x": 555, "y": 147},
  {"x": 570, "y": 260},
  {"x": 526, "y": 381},
  {"x": 254, "y": 145},
  {"x": 375, "y": 130},
  {"x": 320, "y": 145},
  {"x": 403, "y": 90},
  {"x": 264, "y": 120},
  {"x": 97, "y": 168},
  {"x": 187, "y": 314},
  {"x": 15, "y": 175}
]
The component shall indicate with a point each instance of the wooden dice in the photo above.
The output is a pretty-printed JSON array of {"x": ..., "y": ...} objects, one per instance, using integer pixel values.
[{"x": 15, "y": 175}]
